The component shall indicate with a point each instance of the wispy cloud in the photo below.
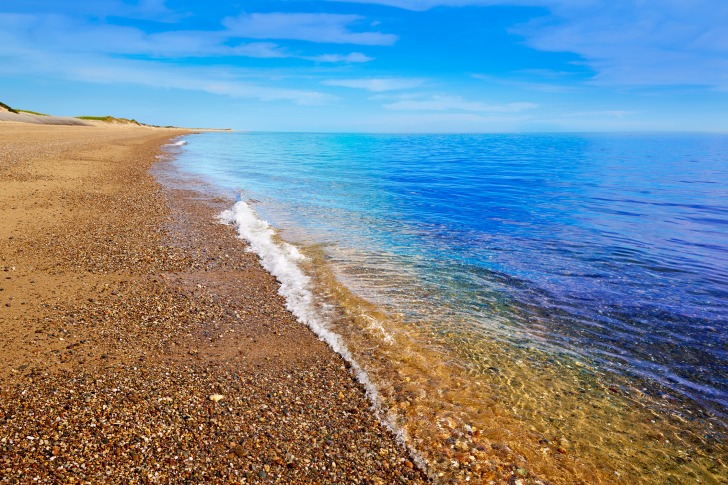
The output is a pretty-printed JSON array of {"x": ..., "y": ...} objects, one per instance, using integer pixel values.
[
  {"x": 456, "y": 103},
  {"x": 377, "y": 85},
  {"x": 624, "y": 42},
  {"x": 26, "y": 59},
  {"x": 536, "y": 81},
  {"x": 641, "y": 43},
  {"x": 261, "y": 50},
  {"x": 421, "y": 5},
  {"x": 353, "y": 58},
  {"x": 220, "y": 81},
  {"x": 147, "y": 9},
  {"x": 64, "y": 35},
  {"x": 152, "y": 10},
  {"x": 313, "y": 27},
  {"x": 587, "y": 63},
  {"x": 610, "y": 113}
]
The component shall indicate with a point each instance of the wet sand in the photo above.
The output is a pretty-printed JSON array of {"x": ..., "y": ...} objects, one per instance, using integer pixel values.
[{"x": 141, "y": 343}]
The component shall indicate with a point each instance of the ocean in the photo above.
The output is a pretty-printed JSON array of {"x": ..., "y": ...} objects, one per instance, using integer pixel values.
[{"x": 563, "y": 297}]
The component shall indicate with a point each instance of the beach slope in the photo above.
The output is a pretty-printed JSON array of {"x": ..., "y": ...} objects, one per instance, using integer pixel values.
[{"x": 141, "y": 343}]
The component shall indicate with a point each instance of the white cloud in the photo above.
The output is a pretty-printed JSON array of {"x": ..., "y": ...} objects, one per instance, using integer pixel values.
[
  {"x": 313, "y": 27},
  {"x": 64, "y": 35},
  {"x": 24, "y": 58},
  {"x": 421, "y": 5},
  {"x": 417, "y": 5},
  {"x": 226, "y": 82},
  {"x": 61, "y": 34},
  {"x": 180, "y": 44},
  {"x": 154, "y": 10},
  {"x": 625, "y": 42},
  {"x": 456, "y": 103},
  {"x": 641, "y": 43},
  {"x": 610, "y": 113},
  {"x": 149, "y": 10},
  {"x": 353, "y": 58},
  {"x": 263, "y": 50},
  {"x": 377, "y": 84},
  {"x": 536, "y": 80}
]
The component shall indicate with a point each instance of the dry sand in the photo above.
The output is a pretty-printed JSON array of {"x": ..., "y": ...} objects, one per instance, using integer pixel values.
[{"x": 124, "y": 308}]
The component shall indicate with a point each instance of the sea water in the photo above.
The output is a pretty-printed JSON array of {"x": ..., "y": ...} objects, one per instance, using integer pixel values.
[{"x": 510, "y": 291}]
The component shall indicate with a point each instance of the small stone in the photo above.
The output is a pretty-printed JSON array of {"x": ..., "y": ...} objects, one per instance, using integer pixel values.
[
  {"x": 216, "y": 397},
  {"x": 262, "y": 474}
]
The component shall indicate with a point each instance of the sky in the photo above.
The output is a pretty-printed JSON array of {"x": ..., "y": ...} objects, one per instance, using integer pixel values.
[{"x": 415, "y": 66}]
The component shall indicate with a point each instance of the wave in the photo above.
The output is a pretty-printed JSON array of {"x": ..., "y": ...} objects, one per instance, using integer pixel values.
[
  {"x": 282, "y": 260},
  {"x": 487, "y": 323}
]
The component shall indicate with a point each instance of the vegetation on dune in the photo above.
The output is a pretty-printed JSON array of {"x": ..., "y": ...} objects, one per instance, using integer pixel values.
[
  {"x": 3, "y": 105},
  {"x": 109, "y": 119},
  {"x": 105, "y": 119},
  {"x": 31, "y": 112},
  {"x": 113, "y": 119},
  {"x": 19, "y": 111}
]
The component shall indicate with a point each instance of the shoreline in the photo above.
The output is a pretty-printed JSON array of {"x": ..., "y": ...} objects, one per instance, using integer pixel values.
[
  {"x": 143, "y": 340},
  {"x": 564, "y": 418},
  {"x": 125, "y": 308}
]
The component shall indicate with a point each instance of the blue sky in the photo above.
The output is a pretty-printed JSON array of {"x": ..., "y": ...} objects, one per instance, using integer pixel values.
[{"x": 373, "y": 66}]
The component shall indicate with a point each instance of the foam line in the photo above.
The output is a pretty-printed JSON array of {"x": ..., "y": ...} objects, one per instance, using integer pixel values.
[{"x": 281, "y": 260}]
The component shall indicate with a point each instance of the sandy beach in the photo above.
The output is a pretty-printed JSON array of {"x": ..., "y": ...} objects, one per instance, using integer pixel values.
[{"x": 141, "y": 343}]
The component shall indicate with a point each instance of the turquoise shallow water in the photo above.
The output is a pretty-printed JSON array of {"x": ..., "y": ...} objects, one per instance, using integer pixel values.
[{"x": 611, "y": 247}]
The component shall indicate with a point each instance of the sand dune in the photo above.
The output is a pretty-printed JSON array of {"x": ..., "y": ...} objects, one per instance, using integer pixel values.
[{"x": 6, "y": 115}]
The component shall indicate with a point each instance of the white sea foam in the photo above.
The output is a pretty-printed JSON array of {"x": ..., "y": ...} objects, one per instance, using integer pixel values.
[
  {"x": 281, "y": 260},
  {"x": 177, "y": 143}
]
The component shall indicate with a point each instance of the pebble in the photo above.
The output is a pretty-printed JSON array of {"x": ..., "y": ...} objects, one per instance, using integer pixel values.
[{"x": 135, "y": 405}]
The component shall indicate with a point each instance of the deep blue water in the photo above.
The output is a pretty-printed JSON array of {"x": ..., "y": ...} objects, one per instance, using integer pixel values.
[{"x": 612, "y": 247}]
